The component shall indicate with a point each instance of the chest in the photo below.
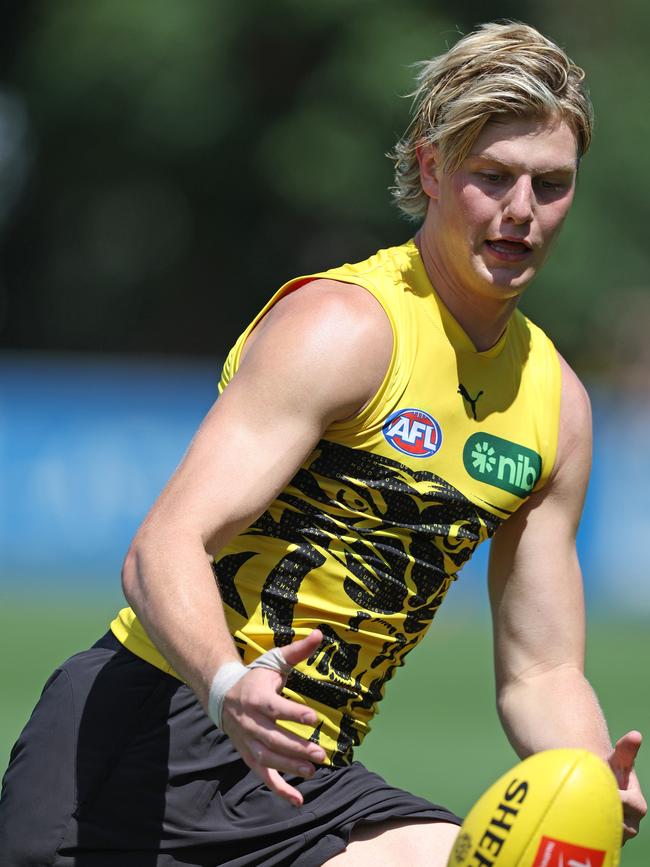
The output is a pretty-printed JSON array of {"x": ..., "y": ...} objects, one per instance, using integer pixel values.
[{"x": 478, "y": 423}]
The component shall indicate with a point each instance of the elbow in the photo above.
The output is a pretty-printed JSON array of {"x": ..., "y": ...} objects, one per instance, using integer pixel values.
[
  {"x": 130, "y": 573},
  {"x": 133, "y": 571},
  {"x": 152, "y": 558},
  {"x": 511, "y": 695},
  {"x": 502, "y": 702}
]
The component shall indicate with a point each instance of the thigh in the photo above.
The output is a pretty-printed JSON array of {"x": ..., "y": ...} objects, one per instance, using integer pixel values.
[
  {"x": 354, "y": 807},
  {"x": 395, "y": 843},
  {"x": 38, "y": 787},
  {"x": 85, "y": 716},
  {"x": 148, "y": 789},
  {"x": 56, "y": 762}
]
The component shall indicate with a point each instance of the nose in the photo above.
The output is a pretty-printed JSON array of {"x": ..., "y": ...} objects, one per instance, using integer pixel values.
[{"x": 519, "y": 203}]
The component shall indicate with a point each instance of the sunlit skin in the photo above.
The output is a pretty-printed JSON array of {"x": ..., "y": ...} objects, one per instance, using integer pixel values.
[{"x": 490, "y": 225}]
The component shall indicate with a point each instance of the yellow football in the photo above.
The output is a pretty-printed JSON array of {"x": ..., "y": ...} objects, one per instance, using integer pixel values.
[{"x": 558, "y": 808}]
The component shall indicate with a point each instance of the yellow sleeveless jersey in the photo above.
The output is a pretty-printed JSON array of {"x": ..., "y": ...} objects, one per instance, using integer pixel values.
[{"x": 366, "y": 539}]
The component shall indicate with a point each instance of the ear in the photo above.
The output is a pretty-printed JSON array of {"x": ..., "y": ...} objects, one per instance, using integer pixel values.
[{"x": 428, "y": 160}]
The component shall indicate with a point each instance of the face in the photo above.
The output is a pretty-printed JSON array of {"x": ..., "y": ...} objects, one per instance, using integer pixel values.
[{"x": 491, "y": 223}]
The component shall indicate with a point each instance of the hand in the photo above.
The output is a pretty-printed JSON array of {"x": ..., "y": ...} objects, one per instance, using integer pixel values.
[
  {"x": 621, "y": 761},
  {"x": 250, "y": 711}
]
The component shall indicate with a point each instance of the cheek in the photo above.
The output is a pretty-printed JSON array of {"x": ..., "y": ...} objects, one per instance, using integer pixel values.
[
  {"x": 474, "y": 209},
  {"x": 479, "y": 215},
  {"x": 553, "y": 217},
  {"x": 554, "y": 214}
]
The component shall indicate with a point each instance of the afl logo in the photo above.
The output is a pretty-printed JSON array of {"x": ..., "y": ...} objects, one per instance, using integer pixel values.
[{"x": 413, "y": 432}]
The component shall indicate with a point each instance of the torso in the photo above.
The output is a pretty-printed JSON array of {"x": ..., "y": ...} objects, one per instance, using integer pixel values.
[{"x": 367, "y": 538}]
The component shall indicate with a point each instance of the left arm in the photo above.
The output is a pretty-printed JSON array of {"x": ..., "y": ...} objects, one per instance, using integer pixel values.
[{"x": 543, "y": 697}]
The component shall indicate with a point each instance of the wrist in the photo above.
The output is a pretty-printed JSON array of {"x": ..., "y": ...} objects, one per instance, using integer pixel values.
[{"x": 226, "y": 677}]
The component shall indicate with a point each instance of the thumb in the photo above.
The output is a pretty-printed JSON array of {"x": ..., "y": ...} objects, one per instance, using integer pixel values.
[
  {"x": 303, "y": 648},
  {"x": 622, "y": 758}
]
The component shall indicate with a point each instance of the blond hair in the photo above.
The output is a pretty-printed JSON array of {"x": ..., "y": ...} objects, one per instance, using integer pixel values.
[{"x": 500, "y": 69}]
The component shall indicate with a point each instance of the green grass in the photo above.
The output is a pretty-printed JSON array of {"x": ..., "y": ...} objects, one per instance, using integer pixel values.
[{"x": 437, "y": 733}]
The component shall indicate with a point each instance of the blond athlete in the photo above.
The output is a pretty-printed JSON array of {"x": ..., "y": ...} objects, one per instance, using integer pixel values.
[{"x": 376, "y": 423}]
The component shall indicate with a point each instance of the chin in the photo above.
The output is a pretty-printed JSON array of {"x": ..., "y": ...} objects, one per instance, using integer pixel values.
[{"x": 510, "y": 283}]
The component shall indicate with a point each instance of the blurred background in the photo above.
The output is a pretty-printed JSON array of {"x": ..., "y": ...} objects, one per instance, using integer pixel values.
[{"x": 165, "y": 165}]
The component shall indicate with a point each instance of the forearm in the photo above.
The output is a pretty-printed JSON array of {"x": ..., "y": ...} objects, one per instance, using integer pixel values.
[
  {"x": 171, "y": 587},
  {"x": 556, "y": 708}
]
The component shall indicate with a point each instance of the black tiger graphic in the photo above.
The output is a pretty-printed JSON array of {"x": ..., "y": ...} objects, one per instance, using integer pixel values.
[{"x": 400, "y": 537}]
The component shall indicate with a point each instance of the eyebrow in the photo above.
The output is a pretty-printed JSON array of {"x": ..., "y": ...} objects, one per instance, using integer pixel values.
[{"x": 486, "y": 157}]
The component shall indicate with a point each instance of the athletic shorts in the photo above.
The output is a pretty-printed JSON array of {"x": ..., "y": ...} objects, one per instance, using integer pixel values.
[{"x": 119, "y": 766}]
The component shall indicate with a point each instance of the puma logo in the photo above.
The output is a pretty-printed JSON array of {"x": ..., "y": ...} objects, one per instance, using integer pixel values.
[{"x": 462, "y": 391}]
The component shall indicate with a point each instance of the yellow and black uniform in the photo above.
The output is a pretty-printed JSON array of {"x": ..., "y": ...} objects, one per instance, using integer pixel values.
[
  {"x": 366, "y": 539},
  {"x": 363, "y": 543}
]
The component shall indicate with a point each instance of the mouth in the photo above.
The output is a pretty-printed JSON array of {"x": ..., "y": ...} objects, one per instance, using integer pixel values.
[{"x": 508, "y": 249}]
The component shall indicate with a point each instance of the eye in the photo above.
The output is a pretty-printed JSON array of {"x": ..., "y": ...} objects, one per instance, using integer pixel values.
[
  {"x": 491, "y": 177},
  {"x": 553, "y": 185}
]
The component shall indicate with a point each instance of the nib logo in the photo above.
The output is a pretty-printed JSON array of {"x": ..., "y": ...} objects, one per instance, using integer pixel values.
[
  {"x": 501, "y": 463},
  {"x": 559, "y": 853}
]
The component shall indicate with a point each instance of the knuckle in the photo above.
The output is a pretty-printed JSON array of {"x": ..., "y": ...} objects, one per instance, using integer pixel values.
[
  {"x": 247, "y": 727},
  {"x": 281, "y": 743},
  {"x": 276, "y": 741},
  {"x": 253, "y": 756},
  {"x": 253, "y": 701},
  {"x": 248, "y": 759}
]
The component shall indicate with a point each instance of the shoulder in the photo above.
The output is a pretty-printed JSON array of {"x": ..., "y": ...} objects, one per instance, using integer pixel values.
[
  {"x": 332, "y": 334},
  {"x": 566, "y": 402},
  {"x": 574, "y": 394},
  {"x": 567, "y": 484},
  {"x": 322, "y": 306},
  {"x": 555, "y": 509},
  {"x": 574, "y": 437}
]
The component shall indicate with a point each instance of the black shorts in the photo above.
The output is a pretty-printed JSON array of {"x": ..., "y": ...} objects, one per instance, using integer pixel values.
[{"x": 119, "y": 765}]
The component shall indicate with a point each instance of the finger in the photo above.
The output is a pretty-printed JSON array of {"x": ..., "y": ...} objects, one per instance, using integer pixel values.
[
  {"x": 271, "y": 703},
  {"x": 258, "y": 753},
  {"x": 623, "y": 757},
  {"x": 631, "y": 818},
  {"x": 303, "y": 648},
  {"x": 279, "y": 740},
  {"x": 286, "y": 709},
  {"x": 630, "y": 829},
  {"x": 279, "y": 785},
  {"x": 634, "y": 808},
  {"x": 264, "y": 757},
  {"x": 276, "y": 783}
]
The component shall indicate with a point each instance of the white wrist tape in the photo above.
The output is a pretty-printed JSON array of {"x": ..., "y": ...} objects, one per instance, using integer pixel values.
[
  {"x": 232, "y": 672},
  {"x": 223, "y": 681}
]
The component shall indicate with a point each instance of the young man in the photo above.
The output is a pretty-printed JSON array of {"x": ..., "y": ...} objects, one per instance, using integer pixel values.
[{"x": 376, "y": 423}]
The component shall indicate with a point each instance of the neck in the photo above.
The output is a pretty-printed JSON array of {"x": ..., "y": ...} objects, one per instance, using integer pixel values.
[{"x": 481, "y": 316}]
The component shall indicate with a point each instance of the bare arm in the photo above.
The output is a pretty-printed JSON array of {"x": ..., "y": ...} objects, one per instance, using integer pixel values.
[
  {"x": 319, "y": 355},
  {"x": 536, "y": 594}
]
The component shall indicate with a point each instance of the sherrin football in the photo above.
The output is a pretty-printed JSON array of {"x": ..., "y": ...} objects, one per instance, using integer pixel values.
[{"x": 558, "y": 808}]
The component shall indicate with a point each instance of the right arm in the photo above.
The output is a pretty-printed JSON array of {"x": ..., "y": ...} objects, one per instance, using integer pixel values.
[{"x": 317, "y": 356}]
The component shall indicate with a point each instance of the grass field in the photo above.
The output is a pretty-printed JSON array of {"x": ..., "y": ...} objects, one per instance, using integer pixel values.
[{"x": 437, "y": 733}]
